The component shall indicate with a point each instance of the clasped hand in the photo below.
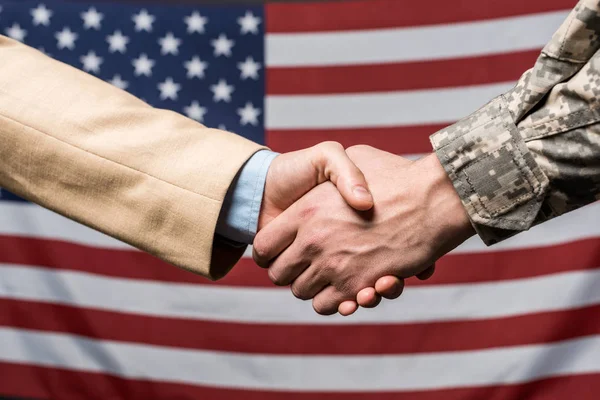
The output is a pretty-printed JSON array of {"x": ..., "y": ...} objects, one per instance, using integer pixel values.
[{"x": 346, "y": 227}]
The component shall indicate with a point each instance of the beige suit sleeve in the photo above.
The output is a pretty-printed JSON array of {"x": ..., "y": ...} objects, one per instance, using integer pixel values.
[{"x": 93, "y": 153}]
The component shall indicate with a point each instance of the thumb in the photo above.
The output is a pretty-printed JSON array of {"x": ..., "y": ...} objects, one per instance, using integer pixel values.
[{"x": 332, "y": 163}]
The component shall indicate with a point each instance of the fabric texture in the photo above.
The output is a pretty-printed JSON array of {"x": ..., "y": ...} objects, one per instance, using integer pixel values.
[
  {"x": 533, "y": 153},
  {"x": 93, "y": 153}
]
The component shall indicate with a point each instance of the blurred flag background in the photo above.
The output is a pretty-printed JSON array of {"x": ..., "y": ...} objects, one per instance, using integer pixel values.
[{"x": 83, "y": 316}]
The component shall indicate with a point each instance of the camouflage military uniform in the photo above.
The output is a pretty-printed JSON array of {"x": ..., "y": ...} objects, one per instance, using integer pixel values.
[{"x": 533, "y": 153}]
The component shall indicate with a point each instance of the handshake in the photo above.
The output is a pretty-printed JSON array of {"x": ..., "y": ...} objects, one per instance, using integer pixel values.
[{"x": 346, "y": 227}]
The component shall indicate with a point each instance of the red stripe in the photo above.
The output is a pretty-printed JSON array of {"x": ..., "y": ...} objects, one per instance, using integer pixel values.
[
  {"x": 54, "y": 383},
  {"x": 360, "y": 339},
  {"x": 452, "y": 269},
  {"x": 396, "y": 139},
  {"x": 399, "y": 76},
  {"x": 375, "y": 14}
]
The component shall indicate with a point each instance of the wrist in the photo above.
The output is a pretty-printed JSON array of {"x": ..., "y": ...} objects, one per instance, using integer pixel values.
[{"x": 444, "y": 202}]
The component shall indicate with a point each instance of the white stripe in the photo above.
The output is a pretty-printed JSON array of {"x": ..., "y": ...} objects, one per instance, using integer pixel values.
[
  {"x": 303, "y": 373},
  {"x": 583, "y": 223},
  {"x": 270, "y": 305},
  {"x": 434, "y": 42},
  {"x": 28, "y": 220},
  {"x": 430, "y": 106}
]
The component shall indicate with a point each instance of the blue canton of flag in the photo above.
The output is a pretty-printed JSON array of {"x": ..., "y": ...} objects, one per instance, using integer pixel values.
[{"x": 203, "y": 62}]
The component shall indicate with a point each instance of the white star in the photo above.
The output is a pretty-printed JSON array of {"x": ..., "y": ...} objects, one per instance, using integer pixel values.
[
  {"x": 66, "y": 39},
  {"x": 117, "y": 42},
  {"x": 118, "y": 82},
  {"x": 43, "y": 51},
  {"x": 195, "y": 22},
  {"x": 222, "y": 91},
  {"x": 194, "y": 111},
  {"x": 143, "y": 65},
  {"x": 222, "y": 45},
  {"x": 169, "y": 44},
  {"x": 249, "y": 114},
  {"x": 195, "y": 67},
  {"x": 91, "y": 62},
  {"x": 249, "y": 68},
  {"x": 92, "y": 19},
  {"x": 143, "y": 21},
  {"x": 249, "y": 23},
  {"x": 41, "y": 15},
  {"x": 16, "y": 32},
  {"x": 168, "y": 89}
]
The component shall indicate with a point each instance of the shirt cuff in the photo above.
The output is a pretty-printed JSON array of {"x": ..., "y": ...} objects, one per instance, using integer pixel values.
[{"x": 238, "y": 219}]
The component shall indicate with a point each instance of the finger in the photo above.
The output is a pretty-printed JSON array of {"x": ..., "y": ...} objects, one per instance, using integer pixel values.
[
  {"x": 332, "y": 163},
  {"x": 309, "y": 283},
  {"x": 328, "y": 300},
  {"x": 275, "y": 238},
  {"x": 368, "y": 298},
  {"x": 347, "y": 308},
  {"x": 288, "y": 265},
  {"x": 390, "y": 287},
  {"x": 428, "y": 273}
]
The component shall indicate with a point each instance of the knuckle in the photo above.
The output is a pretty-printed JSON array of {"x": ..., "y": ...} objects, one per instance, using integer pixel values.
[
  {"x": 260, "y": 251},
  {"x": 331, "y": 145},
  {"x": 331, "y": 270},
  {"x": 299, "y": 292},
  {"x": 308, "y": 211},
  {"x": 322, "y": 308},
  {"x": 357, "y": 149},
  {"x": 313, "y": 243},
  {"x": 276, "y": 278}
]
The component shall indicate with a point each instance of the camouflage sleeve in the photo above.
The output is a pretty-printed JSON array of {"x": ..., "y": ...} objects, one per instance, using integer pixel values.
[{"x": 533, "y": 153}]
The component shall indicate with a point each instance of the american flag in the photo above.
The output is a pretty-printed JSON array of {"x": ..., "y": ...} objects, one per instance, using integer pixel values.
[{"x": 83, "y": 316}]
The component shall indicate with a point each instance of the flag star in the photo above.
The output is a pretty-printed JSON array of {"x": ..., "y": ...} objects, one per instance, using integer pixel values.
[
  {"x": 43, "y": 51},
  {"x": 118, "y": 82},
  {"x": 143, "y": 21},
  {"x": 222, "y": 91},
  {"x": 169, "y": 44},
  {"x": 41, "y": 15},
  {"x": 194, "y": 111},
  {"x": 168, "y": 89},
  {"x": 66, "y": 39},
  {"x": 117, "y": 42},
  {"x": 16, "y": 32},
  {"x": 195, "y": 22},
  {"x": 92, "y": 19},
  {"x": 249, "y": 23},
  {"x": 248, "y": 114},
  {"x": 195, "y": 67},
  {"x": 249, "y": 68},
  {"x": 222, "y": 45},
  {"x": 91, "y": 62},
  {"x": 143, "y": 65}
]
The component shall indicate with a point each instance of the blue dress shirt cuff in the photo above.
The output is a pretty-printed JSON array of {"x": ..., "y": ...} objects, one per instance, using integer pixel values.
[{"x": 238, "y": 219}]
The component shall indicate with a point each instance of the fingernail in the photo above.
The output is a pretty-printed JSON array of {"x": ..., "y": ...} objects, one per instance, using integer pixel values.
[{"x": 362, "y": 193}]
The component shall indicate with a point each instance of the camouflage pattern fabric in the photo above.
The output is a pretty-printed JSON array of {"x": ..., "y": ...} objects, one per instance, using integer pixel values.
[{"x": 533, "y": 153}]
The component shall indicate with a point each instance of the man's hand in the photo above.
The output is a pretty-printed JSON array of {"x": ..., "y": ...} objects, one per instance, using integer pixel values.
[
  {"x": 330, "y": 252},
  {"x": 294, "y": 174}
]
